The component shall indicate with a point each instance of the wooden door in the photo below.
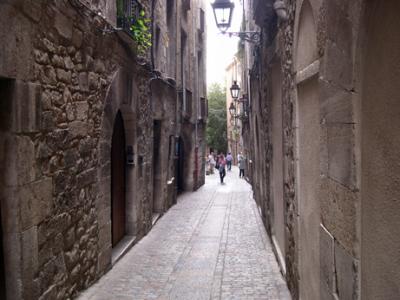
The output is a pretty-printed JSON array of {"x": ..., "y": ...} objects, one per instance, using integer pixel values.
[
  {"x": 118, "y": 180},
  {"x": 2, "y": 273}
]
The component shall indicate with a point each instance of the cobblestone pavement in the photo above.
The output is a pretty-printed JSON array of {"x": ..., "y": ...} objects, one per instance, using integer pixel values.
[{"x": 211, "y": 245}]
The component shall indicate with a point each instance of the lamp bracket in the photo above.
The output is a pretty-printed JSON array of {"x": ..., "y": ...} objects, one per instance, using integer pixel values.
[{"x": 249, "y": 36}]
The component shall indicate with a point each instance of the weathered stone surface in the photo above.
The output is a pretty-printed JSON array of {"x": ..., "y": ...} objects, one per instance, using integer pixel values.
[
  {"x": 327, "y": 263},
  {"x": 25, "y": 160},
  {"x": 57, "y": 61},
  {"x": 346, "y": 272},
  {"x": 64, "y": 76},
  {"x": 36, "y": 201},
  {"x": 29, "y": 247},
  {"x": 86, "y": 177},
  {"x": 68, "y": 63},
  {"x": 82, "y": 109},
  {"x": 336, "y": 105},
  {"x": 341, "y": 163},
  {"x": 83, "y": 81},
  {"x": 50, "y": 293},
  {"x": 26, "y": 107},
  {"x": 63, "y": 25},
  {"x": 93, "y": 79},
  {"x": 41, "y": 57},
  {"x": 78, "y": 129},
  {"x": 77, "y": 38}
]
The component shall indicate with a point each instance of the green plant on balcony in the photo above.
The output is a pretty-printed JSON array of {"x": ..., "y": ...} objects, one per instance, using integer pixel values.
[
  {"x": 131, "y": 18},
  {"x": 140, "y": 31}
]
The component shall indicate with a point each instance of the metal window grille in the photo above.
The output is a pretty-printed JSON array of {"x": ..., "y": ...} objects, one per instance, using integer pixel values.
[{"x": 127, "y": 13}]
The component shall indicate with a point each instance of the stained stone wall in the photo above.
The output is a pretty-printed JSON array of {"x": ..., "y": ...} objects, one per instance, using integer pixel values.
[
  {"x": 58, "y": 75},
  {"x": 322, "y": 49}
]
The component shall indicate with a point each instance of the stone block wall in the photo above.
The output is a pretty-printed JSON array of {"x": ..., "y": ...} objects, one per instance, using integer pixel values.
[
  {"x": 336, "y": 69},
  {"x": 58, "y": 68},
  {"x": 65, "y": 73}
]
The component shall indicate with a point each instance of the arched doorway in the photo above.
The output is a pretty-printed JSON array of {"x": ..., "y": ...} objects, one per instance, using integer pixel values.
[
  {"x": 380, "y": 180},
  {"x": 118, "y": 181}
]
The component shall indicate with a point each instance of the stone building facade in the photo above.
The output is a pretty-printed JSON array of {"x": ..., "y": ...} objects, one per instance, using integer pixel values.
[
  {"x": 323, "y": 136},
  {"x": 91, "y": 135}
]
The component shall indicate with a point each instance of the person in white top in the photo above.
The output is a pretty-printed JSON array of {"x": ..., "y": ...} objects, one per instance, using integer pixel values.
[{"x": 211, "y": 162}]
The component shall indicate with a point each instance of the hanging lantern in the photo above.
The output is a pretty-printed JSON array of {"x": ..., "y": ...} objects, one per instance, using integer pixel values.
[
  {"x": 232, "y": 109},
  {"x": 223, "y": 11},
  {"x": 235, "y": 89}
]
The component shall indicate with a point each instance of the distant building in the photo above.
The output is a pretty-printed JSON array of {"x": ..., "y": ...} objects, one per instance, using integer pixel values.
[{"x": 97, "y": 135}]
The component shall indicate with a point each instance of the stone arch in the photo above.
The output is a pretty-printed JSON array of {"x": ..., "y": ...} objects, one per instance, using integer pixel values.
[
  {"x": 306, "y": 51},
  {"x": 121, "y": 97},
  {"x": 308, "y": 151},
  {"x": 380, "y": 148}
]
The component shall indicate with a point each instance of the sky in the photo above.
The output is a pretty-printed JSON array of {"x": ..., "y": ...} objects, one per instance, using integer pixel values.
[{"x": 220, "y": 48}]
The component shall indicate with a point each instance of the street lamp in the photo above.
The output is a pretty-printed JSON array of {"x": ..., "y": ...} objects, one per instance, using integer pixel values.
[
  {"x": 223, "y": 10},
  {"x": 235, "y": 89},
  {"x": 232, "y": 110},
  {"x": 244, "y": 102}
]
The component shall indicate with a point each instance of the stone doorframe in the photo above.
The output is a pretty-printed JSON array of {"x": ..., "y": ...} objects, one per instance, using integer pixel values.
[
  {"x": 121, "y": 96},
  {"x": 25, "y": 197}
]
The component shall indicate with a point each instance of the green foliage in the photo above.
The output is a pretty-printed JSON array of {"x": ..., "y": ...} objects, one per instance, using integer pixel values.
[
  {"x": 140, "y": 31},
  {"x": 216, "y": 131}
]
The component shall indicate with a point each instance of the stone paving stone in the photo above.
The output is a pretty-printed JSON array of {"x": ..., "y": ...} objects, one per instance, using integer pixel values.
[{"x": 211, "y": 245}]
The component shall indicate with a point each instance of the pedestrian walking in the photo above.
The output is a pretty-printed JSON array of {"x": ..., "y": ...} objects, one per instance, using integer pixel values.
[
  {"x": 239, "y": 156},
  {"x": 222, "y": 163},
  {"x": 229, "y": 159},
  {"x": 211, "y": 162},
  {"x": 242, "y": 165}
]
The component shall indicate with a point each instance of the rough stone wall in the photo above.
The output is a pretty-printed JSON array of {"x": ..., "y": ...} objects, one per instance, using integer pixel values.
[
  {"x": 338, "y": 71},
  {"x": 339, "y": 37},
  {"x": 63, "y": 66},
  {"x": 288, "y": 100}
]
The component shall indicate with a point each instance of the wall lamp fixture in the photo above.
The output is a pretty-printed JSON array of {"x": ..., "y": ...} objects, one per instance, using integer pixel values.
[
  {"x": 235, "y": 89},
  {"x": 223, "y": 10},
  {"x": 280, "y": 9}
]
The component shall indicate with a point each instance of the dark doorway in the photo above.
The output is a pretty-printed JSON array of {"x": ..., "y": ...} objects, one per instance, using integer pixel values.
[
  {"x": 157, "y": 169},
  {"x": 2, "y": 273},
  {"x": 6, "y": 100},
  {"x": 179, "y": 154},
  {"x": 118, "y": 180}
]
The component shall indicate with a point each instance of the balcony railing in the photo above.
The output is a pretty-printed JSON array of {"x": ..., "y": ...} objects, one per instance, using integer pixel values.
[{"x": 127, "y": 13}]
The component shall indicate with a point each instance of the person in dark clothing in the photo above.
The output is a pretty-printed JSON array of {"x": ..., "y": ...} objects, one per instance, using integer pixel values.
[
  {"x": 242, "y": 165},
  {"x": 222, "y": 163},
  {"x": 229, "y": 159}
]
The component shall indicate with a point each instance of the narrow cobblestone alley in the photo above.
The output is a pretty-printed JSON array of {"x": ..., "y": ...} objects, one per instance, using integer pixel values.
[{"x": 211, "y": 245}]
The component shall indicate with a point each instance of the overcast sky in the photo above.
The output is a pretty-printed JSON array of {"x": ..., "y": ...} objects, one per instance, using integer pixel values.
[{"x": 220, "y": 48}]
